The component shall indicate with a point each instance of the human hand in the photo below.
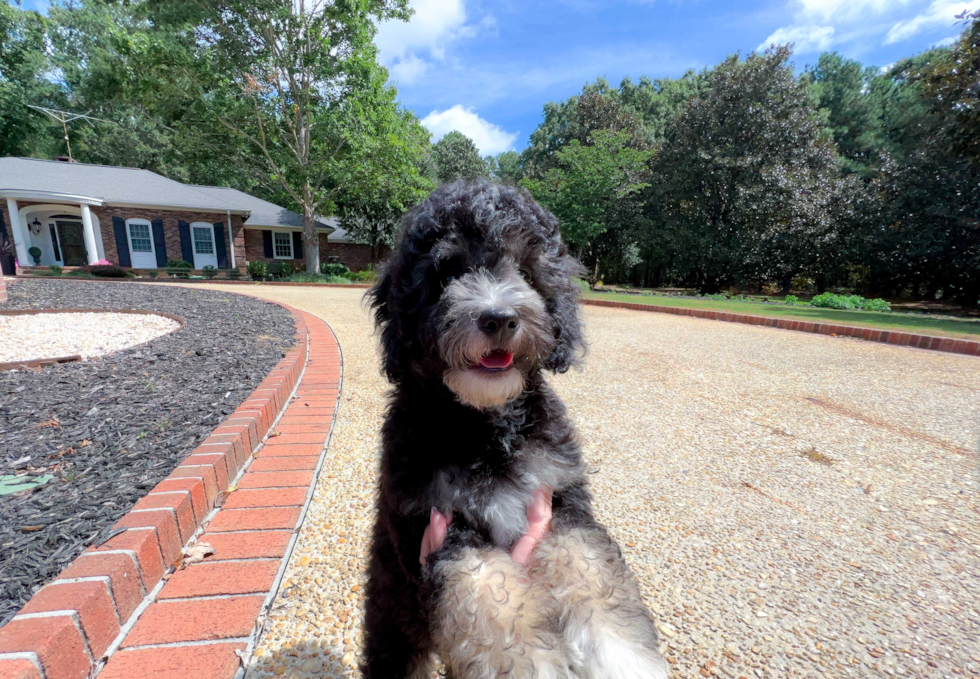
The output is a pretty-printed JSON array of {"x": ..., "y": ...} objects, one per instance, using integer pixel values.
[{"x": 538, "y": 524}]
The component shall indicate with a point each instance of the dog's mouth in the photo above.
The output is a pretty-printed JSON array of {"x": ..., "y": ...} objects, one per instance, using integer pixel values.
[{"x": 495, "y": 361}]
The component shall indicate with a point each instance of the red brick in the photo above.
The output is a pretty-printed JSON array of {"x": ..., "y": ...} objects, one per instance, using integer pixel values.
[
  {"x": 249, "y": 423},
  {"x": 222, "y": 577},
  {"x": 284, "y": 464},
  {"x": 254, "y": 519},
  {"x": 301, "y": 410},
  {"x": 254, "y": 479},
  {"x": 207, "y": 476},
  {"x": 303, "y": 450},
  {"x": 277, "y": 497},
  {"x": 198, "y": 494},
  {"x": 319, "y": 427},
  {"x": 96, "y": 611},
  {"x": 56, "y": 641},
  {"x": 213, "y": 661},
  {"x": 18, "y": 668},
  {"x": 261, "y": 424},
  {"x": 127, "y": 591},
  {"x": 216, "y": 462},
  {"x": 196, "y": 620},
  {"x": 294, "y": 439},
  {"x": 145, "y": 547},
  {"x": 293, "y": 420},
  {"x": 266, "y": 544},
  {"x": 166, "y": 530},
  {"x": 960, "y": 346},
  {"x": 233, "y": 452},
  {"x": 179, "y": 502}
]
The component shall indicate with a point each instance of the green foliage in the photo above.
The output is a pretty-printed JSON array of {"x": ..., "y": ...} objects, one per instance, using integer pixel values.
[
  {"x": 234, "y": 274},
  {"x": 830, "y": 300},
  {"x": 179, "y": 264},
  {"x": 334, "y": 269},
  {"x": 315, "y": 278},
  {"x": 791, "y": 299},
  {"x": 153, "y": 273},
  {"x": 285, "y": 270},
  {"x": 54, "y": 270},
  {"x": 365, "y": 276},
  {"x": 505, "y": 167},
  {"x": 209, "y": 272},
  {"x": 456, "y": 157},
  {"x": 79, "y": 273},
  {"x": 258, "y": 270},
  {"x": 107, "y": 271}
]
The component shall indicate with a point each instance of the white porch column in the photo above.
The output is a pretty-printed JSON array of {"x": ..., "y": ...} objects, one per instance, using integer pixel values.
[
  {"x": 231, "y": 240},
  {"x": 88, "y": 232},
  {"x": 17, "y": 233}
]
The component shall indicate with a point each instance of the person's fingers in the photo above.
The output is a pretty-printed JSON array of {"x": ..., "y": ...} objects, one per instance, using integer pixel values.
[
  {"x": 538, "y": 524},
  {"x": 426, "y": 544},
  {"x": 435, "y": 533}
]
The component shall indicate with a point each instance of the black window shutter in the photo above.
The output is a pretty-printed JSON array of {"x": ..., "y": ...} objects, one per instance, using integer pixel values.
[
  {"x": 219, "y": 245},
  {"x": 3, "y": 228},
  {"x": 297, "y": 245},
  {"x": 122, "y": 242},
  {"x": 267, "y": 243},
  {"x": 54, "y": 243},
  {"x": 186, "y": 246},
  {"x": 159, "y": 242}
]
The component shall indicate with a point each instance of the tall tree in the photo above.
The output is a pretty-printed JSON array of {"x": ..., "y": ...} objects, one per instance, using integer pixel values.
[
  {"x": 746, "y": 181},
  {"x": 456, "y": 157},
  {"x": 298, "y": 81},
  {"x": 505, "y": 167}
]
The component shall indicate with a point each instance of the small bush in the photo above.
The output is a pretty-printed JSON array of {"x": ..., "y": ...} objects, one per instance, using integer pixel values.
[
  {"x": 286, "y": 270},
  {"x": 365, "y": 276},
  {"x": 234, "y": 274},
  {"x": 179, "y": 264},
  {"x": 791, "y": 300},
  {"x": 107, "y": 271},
  {"x": 79, "y": 273},
  {"x": 258, "y": 270},
  {"x": 303, "y": 277},
  {"x": 876, "y": 304},
  {"x": 209, "y": 272},
  {"x": 831, "y": 300},
  {"x": 153, "y": 273},
  {"x": 54, "y": 270},
  {"x": 334, "y": 269}
]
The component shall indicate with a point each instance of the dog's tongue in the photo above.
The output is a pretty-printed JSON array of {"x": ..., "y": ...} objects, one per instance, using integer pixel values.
[{"x": 497, "y": 360}]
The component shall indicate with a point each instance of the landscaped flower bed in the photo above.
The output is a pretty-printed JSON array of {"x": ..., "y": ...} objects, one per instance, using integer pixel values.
[{"x": 100, "y": 434}]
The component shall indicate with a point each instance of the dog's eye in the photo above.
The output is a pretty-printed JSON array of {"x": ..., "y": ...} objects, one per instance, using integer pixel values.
[
  {"x": 447, "y": 279},
  {"x": 526, "y": 275}
]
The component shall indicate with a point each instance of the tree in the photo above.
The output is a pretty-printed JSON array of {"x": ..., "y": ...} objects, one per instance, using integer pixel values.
[
  {"x": 745, "y": 182},
  {"x": 589, "y": 188},
  {"x": 298, "y": 82},
  {"x": 456, "y": 157},
  {"x": 505, "y": 167}
]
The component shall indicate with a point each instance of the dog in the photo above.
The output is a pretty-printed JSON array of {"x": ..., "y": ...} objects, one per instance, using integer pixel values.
[{"x": 476, "y": 303}]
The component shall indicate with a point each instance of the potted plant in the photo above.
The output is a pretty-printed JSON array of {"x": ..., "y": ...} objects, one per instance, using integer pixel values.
[
  {"x": 35, "y": 253},
  {"x": 8, "y": 260}
]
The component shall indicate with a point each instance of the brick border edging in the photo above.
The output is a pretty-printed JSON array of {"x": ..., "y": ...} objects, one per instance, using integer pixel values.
[
  {"x": 902, "y": 339},
  {"x": 196, "y": 281},
  {"x": 66, "y": 628}
]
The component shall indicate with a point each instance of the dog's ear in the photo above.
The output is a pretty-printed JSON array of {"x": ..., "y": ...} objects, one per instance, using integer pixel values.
[
  {"x": 563, "y": 307},
  {"x": 386, "y": 300}
]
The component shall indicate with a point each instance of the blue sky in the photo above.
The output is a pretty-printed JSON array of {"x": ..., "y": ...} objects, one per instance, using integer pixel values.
[{"x": 487, "y": 67}]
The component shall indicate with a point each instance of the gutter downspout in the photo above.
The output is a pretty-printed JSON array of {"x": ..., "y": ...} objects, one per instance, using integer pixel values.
[{"x": 231, "y": 239}]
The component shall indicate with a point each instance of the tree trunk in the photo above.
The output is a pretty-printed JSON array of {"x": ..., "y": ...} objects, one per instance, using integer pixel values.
[
  {"x": 311, "y": 239},
  {"x": 787, "y": 284},
  {"x": 821, "y": 283}
]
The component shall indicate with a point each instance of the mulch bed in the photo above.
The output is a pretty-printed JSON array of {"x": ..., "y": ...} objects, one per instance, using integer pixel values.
[{"x": 106, "y": 431}]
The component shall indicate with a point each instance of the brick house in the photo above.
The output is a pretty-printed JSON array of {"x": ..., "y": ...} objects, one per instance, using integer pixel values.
[{"x": 78, "y": 214}]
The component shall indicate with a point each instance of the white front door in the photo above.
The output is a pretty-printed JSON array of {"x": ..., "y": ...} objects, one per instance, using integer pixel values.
[
  {"x": 141, "y": 249},
  {"x": 204, "y": 253}
]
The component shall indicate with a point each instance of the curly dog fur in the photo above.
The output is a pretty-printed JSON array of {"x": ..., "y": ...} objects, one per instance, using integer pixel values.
[{"x": 476, "y": 302}]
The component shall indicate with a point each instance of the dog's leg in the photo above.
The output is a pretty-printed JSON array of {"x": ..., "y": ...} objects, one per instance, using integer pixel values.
[
  {"x": 397, "y": 642},
  {"x": 608, "y": 629},
  {"x": 490, "y": 620}
]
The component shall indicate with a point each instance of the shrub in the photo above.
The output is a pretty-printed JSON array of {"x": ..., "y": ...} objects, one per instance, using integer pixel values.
[
  {"x": 107, "y": 271},
  {"x": 876, "y": 304},
  {"x": 791, "y": 300},
  {"x": 334, "y": 269},
  {"x": 303, "y": 277},
  {"x": 153, "y": 273},
  {"x": 258, "y": 270},
  {"x": 209, "y": 272},
  {"x": 54, "y": 270},
  {"x": 234, "y": 274},
  {"x": 286, "y": 270},
  {"x": 179, "y": 264},
  {"x": 834, "y": 301},
  {"x": 361, "y": 276},
  {"x": 79, "y": 273}
]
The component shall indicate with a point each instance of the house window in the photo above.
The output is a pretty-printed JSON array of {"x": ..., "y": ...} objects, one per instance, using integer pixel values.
[
  {"x": 203, "y": 243},
  {"x": 283, "y": 242},
  {"x": 139, "y": 238}
]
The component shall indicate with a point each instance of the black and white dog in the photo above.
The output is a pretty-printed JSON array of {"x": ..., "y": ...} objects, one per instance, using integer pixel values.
[{"x": 476, "y": 302}]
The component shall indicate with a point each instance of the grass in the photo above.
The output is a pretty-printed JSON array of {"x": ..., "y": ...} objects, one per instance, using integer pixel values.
[{"x": 912, "y": 322}]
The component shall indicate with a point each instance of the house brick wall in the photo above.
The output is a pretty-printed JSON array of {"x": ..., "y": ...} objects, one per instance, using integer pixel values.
[
  {"x": 171, "y": 232},
  {"x": 3, "y": 289},
  {"x": 356, "y": 257}
]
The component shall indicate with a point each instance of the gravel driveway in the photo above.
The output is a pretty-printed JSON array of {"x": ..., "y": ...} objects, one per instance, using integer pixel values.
[{"x": 794, "y": 505}]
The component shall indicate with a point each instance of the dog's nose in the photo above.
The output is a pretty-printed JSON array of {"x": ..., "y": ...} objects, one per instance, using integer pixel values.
[{"x": 500, "y": 322}]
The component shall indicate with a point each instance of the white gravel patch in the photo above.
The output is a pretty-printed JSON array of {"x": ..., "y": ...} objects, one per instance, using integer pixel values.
[
  {"x": 794, "y": 506},
  {"x": 35, "y": 336}
]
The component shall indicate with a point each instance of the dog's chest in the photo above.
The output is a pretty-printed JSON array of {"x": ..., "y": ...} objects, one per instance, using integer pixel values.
[{"x": 495, "y": 506}]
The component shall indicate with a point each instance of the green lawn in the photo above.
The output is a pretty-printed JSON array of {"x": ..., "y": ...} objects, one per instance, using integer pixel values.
[{"x": 921, "y": 324}]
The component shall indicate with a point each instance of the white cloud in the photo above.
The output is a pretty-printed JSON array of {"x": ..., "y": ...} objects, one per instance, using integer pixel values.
[
  {"x": 408, "y": 47},
  {"x": 804, "y": 38},
  {"x": 941, "y": 13},
  {"x": 846, "y": 11},
  {"x": 490, "y": 139}
]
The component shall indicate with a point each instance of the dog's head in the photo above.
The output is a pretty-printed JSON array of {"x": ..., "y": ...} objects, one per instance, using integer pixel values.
[{"x": 479, "y": 292}]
